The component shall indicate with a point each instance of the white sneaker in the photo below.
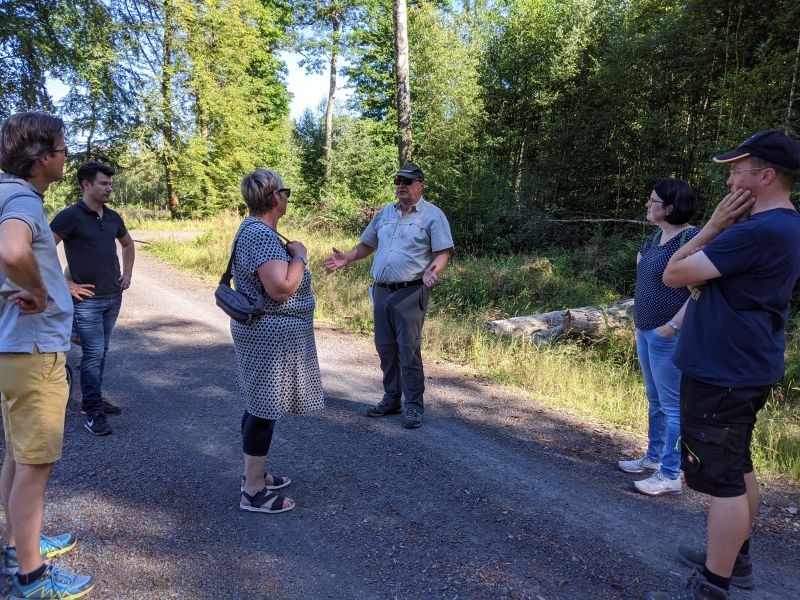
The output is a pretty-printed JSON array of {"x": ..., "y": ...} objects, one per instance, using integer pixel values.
[
  {"x": 640, "y": 465},
  {"x": 659, "y": 484}
]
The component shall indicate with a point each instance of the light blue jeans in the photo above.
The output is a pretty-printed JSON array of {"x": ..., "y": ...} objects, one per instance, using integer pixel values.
[{"x": 662, "y": 380}]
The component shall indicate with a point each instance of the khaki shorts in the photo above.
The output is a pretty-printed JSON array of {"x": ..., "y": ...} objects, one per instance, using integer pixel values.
[{"x": 34, "y": 394}]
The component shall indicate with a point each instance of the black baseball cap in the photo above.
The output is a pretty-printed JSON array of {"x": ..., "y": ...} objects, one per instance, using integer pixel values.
[
  {"x": 411, "y": 171},
  {"x": 772, "y": 146}
]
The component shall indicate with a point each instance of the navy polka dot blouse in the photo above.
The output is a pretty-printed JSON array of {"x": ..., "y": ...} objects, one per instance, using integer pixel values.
[{"x": 654, "y": 302}]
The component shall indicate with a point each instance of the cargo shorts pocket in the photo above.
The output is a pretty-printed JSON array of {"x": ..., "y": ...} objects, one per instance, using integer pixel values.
[{"x": 702, "y": 451}]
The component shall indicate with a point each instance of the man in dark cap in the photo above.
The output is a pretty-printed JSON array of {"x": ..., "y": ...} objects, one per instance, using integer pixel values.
[
  {"x": 413, "y": 242},
  {"x": 731, "y": 348}
]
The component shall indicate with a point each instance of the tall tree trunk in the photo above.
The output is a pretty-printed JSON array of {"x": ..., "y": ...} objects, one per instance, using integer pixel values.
[
  {"x": 403, "y": 81},
  {"x": 724, "y": 72},
  {"x": 336, "y": 24},
  {"x": 166, "y": 108},
  {"x": 201, "y": 120},
  {"x": 794, "y": 82},
  {"x": 518, "y": 175},
  {"x": 92, "y": 128}
]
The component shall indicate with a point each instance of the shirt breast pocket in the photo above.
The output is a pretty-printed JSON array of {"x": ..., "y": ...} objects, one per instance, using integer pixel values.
[
  {"x": 386, "y": 229},
  {"x": 416, "y": 233}
]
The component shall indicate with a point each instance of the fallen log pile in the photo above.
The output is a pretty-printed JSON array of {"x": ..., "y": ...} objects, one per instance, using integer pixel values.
[{"x": 587, "y": 321}]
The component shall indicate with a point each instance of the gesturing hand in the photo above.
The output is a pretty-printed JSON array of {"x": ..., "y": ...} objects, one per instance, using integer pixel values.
[
  {"x": 336, "y": 261},
  {"x": 734, "y": 206},
  {"x": 429, "y": 277}
]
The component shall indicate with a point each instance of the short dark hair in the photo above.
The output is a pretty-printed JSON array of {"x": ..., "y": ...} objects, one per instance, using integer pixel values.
[
  {"x": 25, "y": 138},
  {"x": 680, "y": 196},
  {"x": 89, "y": 170},
  {"x": 257, "y": 188},
  {"x": 787, "y": 176}
]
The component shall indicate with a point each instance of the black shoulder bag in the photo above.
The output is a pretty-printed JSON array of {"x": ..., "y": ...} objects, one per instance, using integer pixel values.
[{"x": 235, "y": 304}]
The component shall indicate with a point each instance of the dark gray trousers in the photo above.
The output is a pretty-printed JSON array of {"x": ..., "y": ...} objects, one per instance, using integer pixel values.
[{"x": 399, "y": 316}]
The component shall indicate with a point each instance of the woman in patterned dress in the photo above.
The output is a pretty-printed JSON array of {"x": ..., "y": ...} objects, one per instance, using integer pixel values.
[
  {"x": 658, "y": 313},
  {"x": 276, "y": 355}
]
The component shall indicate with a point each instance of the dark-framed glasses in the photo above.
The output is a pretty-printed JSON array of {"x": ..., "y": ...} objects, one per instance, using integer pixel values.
[
  {"x": 403, "y": 181},
  {"x": 64, "y": 150},
  {"x": 287, "y": 190}
]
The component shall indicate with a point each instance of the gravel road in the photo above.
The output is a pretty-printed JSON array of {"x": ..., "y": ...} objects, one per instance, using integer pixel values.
[{"x": 496, "y": 496}]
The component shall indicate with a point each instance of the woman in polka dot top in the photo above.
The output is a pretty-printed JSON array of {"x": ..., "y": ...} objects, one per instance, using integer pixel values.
[{"x": 658, "y": 313}]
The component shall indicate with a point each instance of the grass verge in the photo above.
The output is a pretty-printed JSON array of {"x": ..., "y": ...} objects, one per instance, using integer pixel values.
[{"x": 599, "y": 381}]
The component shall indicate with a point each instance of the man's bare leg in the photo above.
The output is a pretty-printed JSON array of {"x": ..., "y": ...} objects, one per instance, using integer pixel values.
[
  {"x": 26, "y": 511},
  {"x": 728, "y": 527},
  {"x": 6, "y": 481},
  {"x": 753, "y": 497}
]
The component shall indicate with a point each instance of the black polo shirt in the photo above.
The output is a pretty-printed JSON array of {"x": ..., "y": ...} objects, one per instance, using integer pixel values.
[{"x": 90, "y": 243}]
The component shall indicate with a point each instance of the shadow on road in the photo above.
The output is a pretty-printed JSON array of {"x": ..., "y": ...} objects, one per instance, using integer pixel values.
[{"x": 494, "y": 497}]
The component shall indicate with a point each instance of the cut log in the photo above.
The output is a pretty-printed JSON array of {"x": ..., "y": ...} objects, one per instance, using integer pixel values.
[
  {"x": 587, "y": 321},
  {"x": 548, "y": 335},
  {"x": 527, "y": 325}
]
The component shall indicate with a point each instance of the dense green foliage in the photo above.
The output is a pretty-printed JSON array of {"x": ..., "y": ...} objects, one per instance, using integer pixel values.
[{"x": 526, "y": 113}]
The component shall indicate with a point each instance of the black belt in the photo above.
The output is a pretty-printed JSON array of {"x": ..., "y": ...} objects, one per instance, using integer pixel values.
[{"x": 393, "y": 287}]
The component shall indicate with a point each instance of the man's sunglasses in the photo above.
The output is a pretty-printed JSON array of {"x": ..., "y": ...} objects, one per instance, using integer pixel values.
[
  {"x": 403, "y": 180},
  {"x": 287, "y": 190}
]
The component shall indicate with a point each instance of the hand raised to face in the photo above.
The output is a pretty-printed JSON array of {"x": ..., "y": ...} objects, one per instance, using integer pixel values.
[{"x": 732, "y": 208}]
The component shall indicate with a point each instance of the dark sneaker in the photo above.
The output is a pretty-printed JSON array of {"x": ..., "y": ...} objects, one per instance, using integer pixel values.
[
  {"x": 698, "y": 588},
  {"x": 384, "y": 408},
  {"x": 108, "y": 408},
  {"x": 53, "y": 584},
  {"x": 412, "y": 419},
  {"x": 97, "y": 425},
  {"x": 742, "y": 576}
]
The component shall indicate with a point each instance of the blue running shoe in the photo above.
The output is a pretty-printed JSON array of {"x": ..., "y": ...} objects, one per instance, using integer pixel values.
[
  {"x": 57, "y": 544},
  {"x": 48, "y": 546},
  {"x": 54, "y": 584}
]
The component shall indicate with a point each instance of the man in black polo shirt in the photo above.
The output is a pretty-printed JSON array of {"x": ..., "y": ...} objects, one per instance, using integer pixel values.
[{"x": 90, "y": 231}]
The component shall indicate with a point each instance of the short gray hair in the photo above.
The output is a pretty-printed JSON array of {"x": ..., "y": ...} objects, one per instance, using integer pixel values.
[
  {"x": 257, "y": 188},
  {"x": 788, "y": 177}
]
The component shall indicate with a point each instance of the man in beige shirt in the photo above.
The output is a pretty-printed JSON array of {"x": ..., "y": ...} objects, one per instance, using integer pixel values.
[{"x": 413, "y": 242}]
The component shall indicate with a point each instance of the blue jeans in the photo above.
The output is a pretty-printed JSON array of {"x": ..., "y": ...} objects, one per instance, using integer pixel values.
[
  {"x": 94, "y": 321},
  {"x": 662, "y": 380}
]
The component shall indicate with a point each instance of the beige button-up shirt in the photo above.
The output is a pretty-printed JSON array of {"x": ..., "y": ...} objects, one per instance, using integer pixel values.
[{"x": 406, "y": 243}]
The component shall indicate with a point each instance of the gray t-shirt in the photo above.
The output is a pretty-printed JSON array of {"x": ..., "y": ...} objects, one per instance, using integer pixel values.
[
  {"x": 406, "y": 243},
  {"x": 48, "y": 330}
]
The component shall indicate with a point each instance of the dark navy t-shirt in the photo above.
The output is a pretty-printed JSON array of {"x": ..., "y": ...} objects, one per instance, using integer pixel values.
[
  {"x": 653, "y": 302},
  {"x": 733, "y": 332},
  {"x": 90, "y": 244}
]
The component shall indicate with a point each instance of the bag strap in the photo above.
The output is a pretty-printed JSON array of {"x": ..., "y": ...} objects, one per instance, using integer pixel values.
[{"x": 227, "y": 276}]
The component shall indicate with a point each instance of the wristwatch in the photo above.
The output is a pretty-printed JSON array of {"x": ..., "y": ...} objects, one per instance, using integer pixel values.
[
  {"x": 672, "y": 324},
  {"x": 303, "y": 258}
]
